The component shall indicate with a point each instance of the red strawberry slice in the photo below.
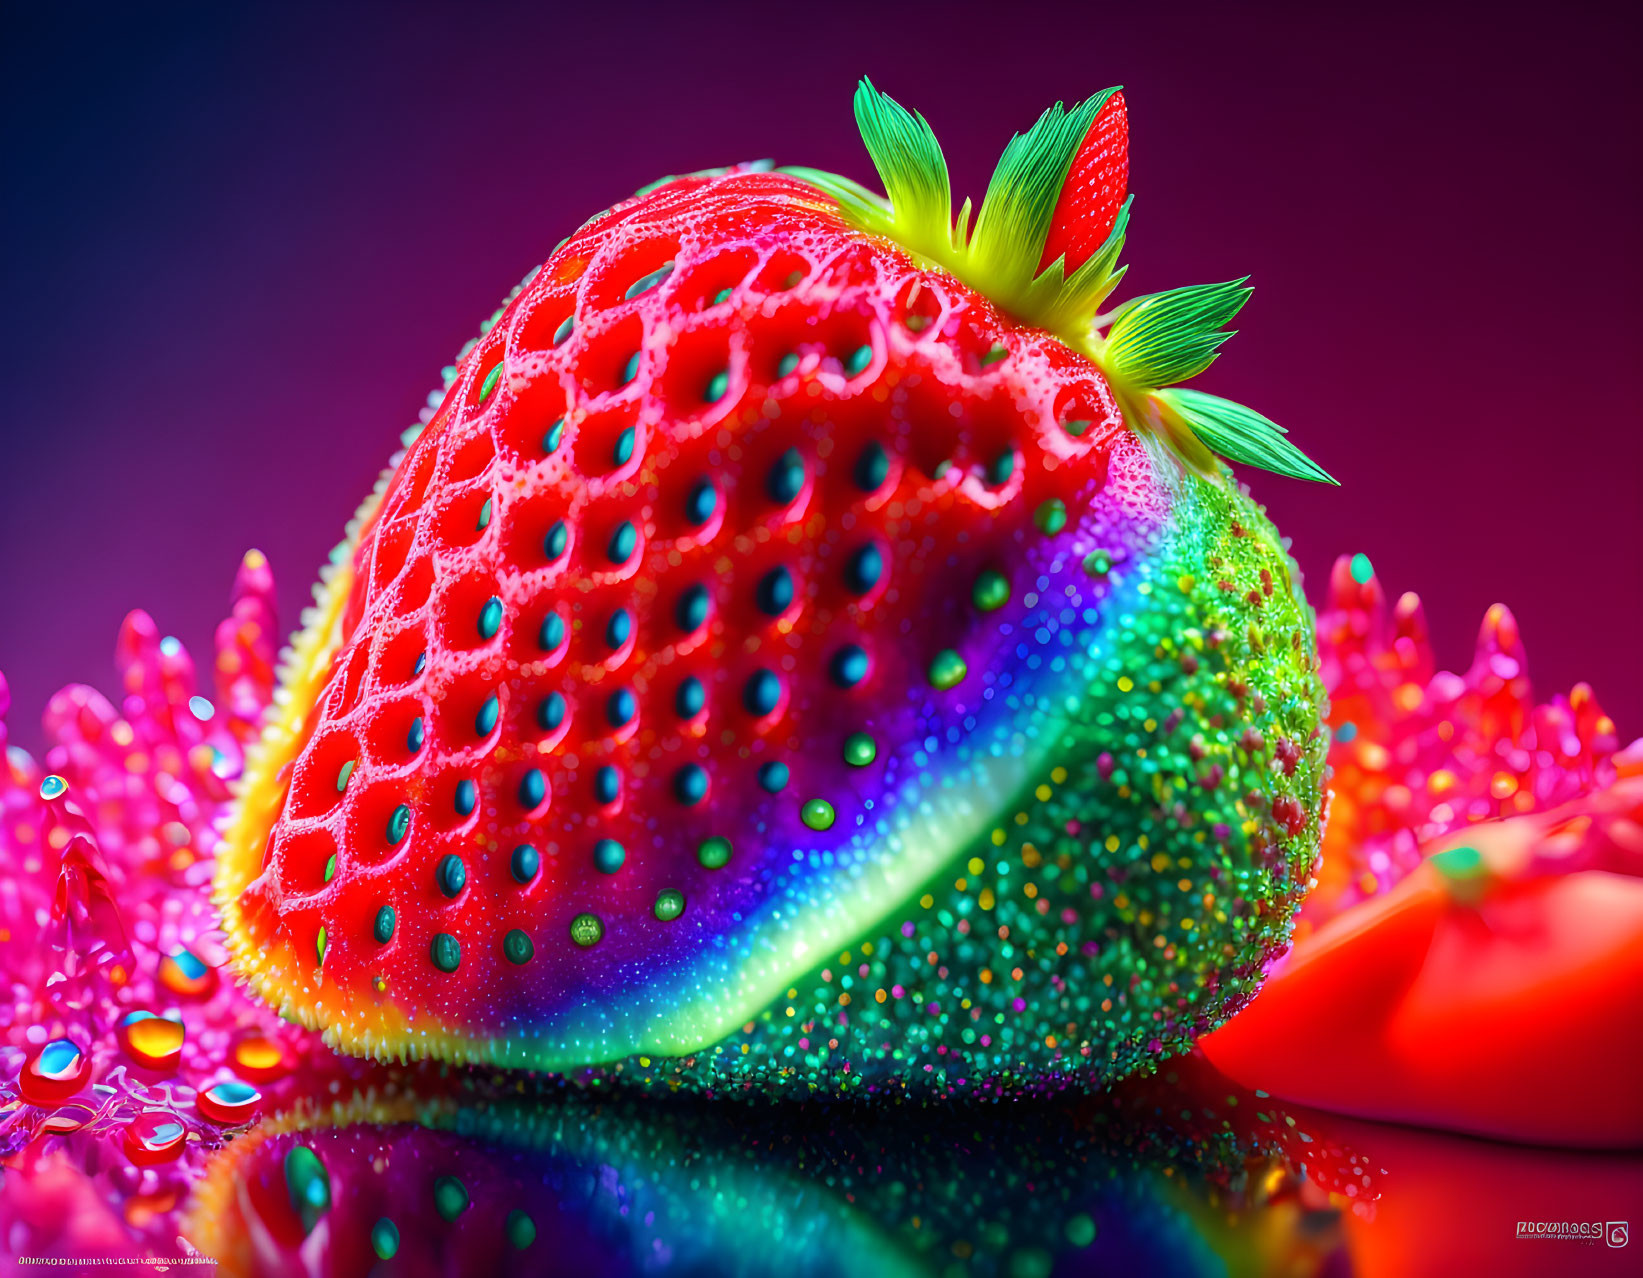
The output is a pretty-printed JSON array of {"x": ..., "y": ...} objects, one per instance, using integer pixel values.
[{"x": 770, "y": 635}]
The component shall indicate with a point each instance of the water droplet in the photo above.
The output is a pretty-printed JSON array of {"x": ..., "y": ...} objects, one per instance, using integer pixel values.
[
  {"x": 259, "y": 1058},
  {"x": 55, "y": 1072},
  {"x": 229, "y": 1103},
  {"x": 817, "y": 814},
  {"x": 185, "y": 975},
  {"x": 152, "y": 1041},
  {"x": 155, "y": 1137}
]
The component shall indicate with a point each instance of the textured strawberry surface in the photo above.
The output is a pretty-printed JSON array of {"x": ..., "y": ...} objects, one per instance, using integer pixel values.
[
  {"x": 1094, "y": 190},
  {"x": 117, "y": 1131},
  {"x": 746, "y": 578}
]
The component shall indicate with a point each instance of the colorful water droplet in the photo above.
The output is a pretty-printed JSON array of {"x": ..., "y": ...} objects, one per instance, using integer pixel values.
[
  {"x": 818, "y": 814},
  {"x": 260, "y": 1059},
  {"x": 229, "y": 1103},
  {"x": 186, "y": 975},
  {"x": 155, "y": 1137},
  {"x": 152, "y": 1041},
  {"x": 55, "y": 1072}
]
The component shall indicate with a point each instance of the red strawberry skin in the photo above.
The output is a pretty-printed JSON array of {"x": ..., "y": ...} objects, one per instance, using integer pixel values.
[
  {"x": 1094, "y": 190},
  {"x": 510, "y": 656}
]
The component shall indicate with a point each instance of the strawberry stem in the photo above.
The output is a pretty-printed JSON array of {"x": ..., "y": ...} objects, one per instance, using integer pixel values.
[{"x": 1147, "y": 343}]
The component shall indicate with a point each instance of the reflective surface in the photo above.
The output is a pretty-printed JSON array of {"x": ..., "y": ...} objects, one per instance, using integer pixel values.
[{"x": 1183, "y": 1173}]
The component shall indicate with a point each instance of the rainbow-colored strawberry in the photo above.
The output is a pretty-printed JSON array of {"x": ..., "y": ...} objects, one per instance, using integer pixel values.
[{"x": 805, "y": 648}]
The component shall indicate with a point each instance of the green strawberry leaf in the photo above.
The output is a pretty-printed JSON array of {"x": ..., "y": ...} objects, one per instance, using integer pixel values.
[
  {"x": 1165, "y": 338},
  {"x": 1241, "y": 434},
  {"x": 910, "y": 164}
]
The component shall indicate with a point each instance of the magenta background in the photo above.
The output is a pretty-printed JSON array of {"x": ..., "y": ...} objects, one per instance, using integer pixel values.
[{"x": 237, "y": 248}]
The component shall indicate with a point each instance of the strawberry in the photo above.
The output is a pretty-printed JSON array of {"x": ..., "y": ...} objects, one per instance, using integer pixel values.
[{"x": 807, "y": 646}]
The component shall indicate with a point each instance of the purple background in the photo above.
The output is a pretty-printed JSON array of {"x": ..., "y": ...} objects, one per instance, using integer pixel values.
[{"x": 238, "y": 246}]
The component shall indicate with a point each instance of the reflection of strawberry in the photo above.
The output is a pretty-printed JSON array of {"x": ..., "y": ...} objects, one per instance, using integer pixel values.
[{"x": 781, "y": 642}]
